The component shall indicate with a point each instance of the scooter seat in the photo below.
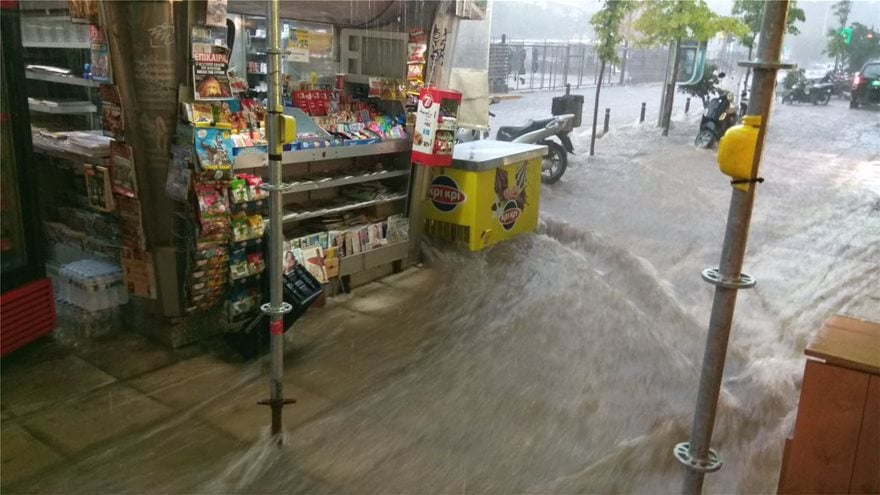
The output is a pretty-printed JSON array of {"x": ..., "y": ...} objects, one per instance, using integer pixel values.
[{"x": 509, "y": 133}]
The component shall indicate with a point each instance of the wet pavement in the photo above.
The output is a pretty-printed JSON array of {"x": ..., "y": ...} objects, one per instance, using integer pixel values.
[{"x": 561, "y": 362}]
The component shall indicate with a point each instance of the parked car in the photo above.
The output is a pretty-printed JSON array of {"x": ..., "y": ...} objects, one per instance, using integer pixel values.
[{"x": 866, "y": 85}]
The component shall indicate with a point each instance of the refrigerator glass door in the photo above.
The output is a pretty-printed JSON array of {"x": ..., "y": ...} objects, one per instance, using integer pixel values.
[{"x": 13, "y": 249}]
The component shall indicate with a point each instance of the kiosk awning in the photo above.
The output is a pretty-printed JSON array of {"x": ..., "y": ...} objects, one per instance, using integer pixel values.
[{"x": 342, "y": 13}]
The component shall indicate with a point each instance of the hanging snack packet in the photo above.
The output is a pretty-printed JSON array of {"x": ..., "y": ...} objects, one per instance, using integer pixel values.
[
  {"x": 255, "y": 225},
  {"x": 255, "y": 191},
  {"x": 239, "y": 189},
  {"x": 415, "y": 72},
  {"x": 240, "y": 231},
  {"x": 255, "y": 263},
  {"x": 213, "y": 207},
  {"x": 416, "y": 52},
  {"x": 238, "y": 264}
]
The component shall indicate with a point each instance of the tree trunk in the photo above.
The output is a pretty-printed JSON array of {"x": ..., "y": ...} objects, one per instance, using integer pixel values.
[
  {"x": 670, "y": 88},
  {"x": 596, "y": 109},
  {"x": 623, "y": 62}
]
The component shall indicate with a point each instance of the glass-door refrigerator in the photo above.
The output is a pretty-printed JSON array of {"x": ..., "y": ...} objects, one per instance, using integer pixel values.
[{"x": 27, "y": 304}]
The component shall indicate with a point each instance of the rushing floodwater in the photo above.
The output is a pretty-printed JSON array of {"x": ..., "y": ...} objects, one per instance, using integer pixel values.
[{"x": 567, "y": 361}]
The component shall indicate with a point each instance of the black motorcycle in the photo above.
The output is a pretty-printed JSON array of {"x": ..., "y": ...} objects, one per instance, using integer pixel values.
[
  {"x": 805, "y": 91},
  {"x": 720, "y": 115}
]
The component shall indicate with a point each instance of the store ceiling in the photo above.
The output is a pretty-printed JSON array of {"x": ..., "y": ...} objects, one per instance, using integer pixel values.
[{"x": 343, "y": 13}]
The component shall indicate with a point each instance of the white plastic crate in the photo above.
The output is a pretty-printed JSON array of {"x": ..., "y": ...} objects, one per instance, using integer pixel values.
[{"x": 92, "y": 285}]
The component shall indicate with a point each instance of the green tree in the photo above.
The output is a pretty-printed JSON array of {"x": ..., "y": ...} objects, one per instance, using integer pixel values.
[
  {"x": 703, "y": 88},
  {"x": 751, "y": 13},
  {"x": 670, "y": 22},
  {"x": 837, "y": 46},
  {"x": 865, "y": 45},
  {"x": 606, "y": 25}
]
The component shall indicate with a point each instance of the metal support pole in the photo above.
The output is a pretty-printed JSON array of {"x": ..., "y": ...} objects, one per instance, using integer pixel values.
[
  {"x": 276, "y": 307},
  {"x": 687, "y": 105},
  {"x": 696, "y": 455},
  {"x": 642, "y": 113},
  {"x": 565, "y": 65},
  {"x": 607, "y": 121}
]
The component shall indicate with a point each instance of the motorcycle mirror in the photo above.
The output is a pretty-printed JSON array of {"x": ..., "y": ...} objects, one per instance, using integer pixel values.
[
  {"x": 494, "y": 100},
  {"x": 721, "y": 75}
]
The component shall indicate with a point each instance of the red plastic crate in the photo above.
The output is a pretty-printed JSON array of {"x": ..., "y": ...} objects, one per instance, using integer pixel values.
[{"x": 26, "y": 314}]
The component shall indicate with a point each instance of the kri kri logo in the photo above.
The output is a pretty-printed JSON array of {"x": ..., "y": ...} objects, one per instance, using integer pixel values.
[
  {"x": 445, "y": 194},
  {"x": 510, "y": 214}
]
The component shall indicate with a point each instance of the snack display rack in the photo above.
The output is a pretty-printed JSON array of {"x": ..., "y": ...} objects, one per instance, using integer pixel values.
[
  {"x": 145, "y": 170},
  {"x": 346, "y": 179}
]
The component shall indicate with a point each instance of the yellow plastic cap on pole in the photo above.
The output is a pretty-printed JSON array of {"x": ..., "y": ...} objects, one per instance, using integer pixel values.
[
  {"x": 736, "y": 150},
  {"x": 287, "y": 126}
]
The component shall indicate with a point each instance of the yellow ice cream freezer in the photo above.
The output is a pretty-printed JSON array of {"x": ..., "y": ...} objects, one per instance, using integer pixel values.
[{"x": 490, "y": 193}]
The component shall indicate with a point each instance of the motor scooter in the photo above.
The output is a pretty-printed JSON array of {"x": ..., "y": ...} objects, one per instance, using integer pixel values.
[
  {"x": 540, "y": 131},
  {"x": 806, "y": 91},
  {"x": 720, "y": 115},
  {"x": 532, "y": 131}
]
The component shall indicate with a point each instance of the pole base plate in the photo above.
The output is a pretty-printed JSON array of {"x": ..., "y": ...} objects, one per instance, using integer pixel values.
[
  {"x": 713, "y": 276},
  {"x": 276, "y": 402},
  {"x": 682, "y": 453},
  {"x": 267, "y": 309}
]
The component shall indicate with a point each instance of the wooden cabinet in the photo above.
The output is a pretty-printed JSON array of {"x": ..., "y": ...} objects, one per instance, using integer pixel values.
[{"x": 835, "y": 447}]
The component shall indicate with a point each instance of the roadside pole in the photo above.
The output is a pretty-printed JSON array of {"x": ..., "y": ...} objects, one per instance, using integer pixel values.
[
  {"x": 439, "y": 71},
  {"x": 276, "y": 308},
  {"x": 728, "y": 278}
]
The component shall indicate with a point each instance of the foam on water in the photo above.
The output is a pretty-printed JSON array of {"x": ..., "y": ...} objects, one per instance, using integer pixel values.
[{"x": 554, "y": 363}]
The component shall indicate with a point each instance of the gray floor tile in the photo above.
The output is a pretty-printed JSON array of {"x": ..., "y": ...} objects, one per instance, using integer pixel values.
[
  {"x": 41, "y": 384},
  {"x": 99, "y": 416},
  {"x": 195, "y": 382},
  {"x": 124, "y": 355},
  {"x": 22, "y": 455}
]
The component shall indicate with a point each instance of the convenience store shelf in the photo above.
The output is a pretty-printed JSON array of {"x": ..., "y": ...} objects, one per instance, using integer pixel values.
[
  {"x": 43, "y": 149},
  {"x": 295, "y": 217},
  {"x": 76, "y": 45},
  {"x": 70, "y": 80},
  {"x": 67, "y": 109},
  {"x": 344, "y": 181},
  {"x": 338, "y": 152},
  {"x": 355, "y": 263}
]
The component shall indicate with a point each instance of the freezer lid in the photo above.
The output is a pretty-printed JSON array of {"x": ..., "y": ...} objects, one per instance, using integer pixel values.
[{"x": 477, "y": 156}]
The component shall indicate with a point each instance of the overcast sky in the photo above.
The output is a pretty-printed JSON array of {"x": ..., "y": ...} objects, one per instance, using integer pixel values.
[{"x": 568, "y": 19}]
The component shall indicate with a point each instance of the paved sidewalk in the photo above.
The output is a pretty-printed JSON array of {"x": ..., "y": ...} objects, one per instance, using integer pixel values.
[{"x": 120, "y": 413}]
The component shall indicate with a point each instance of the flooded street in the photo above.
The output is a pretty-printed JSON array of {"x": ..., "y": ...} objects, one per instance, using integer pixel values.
[{"x": 561, "y": 362}]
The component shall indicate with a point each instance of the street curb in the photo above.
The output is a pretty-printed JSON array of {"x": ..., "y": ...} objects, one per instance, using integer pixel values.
[{"x": 506, "y": 96}]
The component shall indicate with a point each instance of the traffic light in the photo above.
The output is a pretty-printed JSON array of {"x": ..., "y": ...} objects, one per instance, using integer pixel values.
[{"x": 846, "y": 34}]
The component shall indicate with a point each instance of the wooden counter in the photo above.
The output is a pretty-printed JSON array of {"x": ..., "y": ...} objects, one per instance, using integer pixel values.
[{"x": 835, "y": 447}]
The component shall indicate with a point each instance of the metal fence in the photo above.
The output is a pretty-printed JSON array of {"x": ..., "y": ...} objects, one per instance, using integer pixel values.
[{"x": 536, "y": 66}]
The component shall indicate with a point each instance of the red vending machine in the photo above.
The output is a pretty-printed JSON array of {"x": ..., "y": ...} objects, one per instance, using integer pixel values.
[{"x": 27, "y": 305}]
